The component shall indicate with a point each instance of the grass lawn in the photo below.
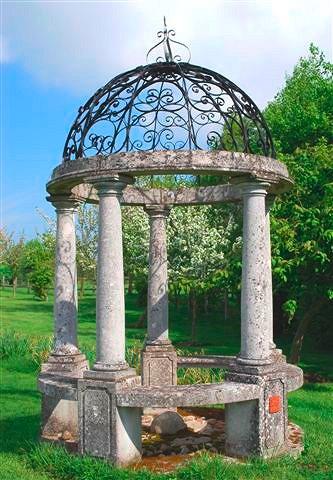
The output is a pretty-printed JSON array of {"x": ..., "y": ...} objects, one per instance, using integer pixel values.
[{"x": 21, "y": 458}]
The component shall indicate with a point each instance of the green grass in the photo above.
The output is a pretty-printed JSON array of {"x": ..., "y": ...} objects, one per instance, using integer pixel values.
[{"x": 22, "y": 457}]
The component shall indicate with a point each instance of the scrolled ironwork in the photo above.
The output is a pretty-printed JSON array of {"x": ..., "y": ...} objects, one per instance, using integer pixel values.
[{"x": 168, "y": 106}]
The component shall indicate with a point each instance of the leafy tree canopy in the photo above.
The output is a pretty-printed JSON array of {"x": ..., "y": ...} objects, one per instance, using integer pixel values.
[{"x": 302, "y": 112}]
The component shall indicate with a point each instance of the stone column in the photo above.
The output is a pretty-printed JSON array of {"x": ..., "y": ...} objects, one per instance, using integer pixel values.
[
  {"x": 106, "y": 430},
  {"x": 257, "y": 427},
  {"x": 66, "y": 356},
  {"x": 110, "y": 300},
  {"x": 269, "y": 289},
  {"x": 59, "y": 415},
  {"x": 159, "y": 360},
  {"x": 256, "y": 297},
  {"x": 157, "y": 300}
]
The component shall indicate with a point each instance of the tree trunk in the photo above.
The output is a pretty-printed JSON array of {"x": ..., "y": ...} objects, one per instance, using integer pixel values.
[
  {"x": 141, "y": 323},
  {"x": 194, "y": 308},
  {"x": 177, "y": 300},
  {"x": 296, "y": 346},
  {"x": 278, "y": 314},
  {"x": 225, "y": 303},
  {"x": 3, "y": 282},
  {"x": 14, "y": 286},
  {"x": 206, "y": 303},
  {"x": 130, "y": 283},
  {"x": 82, "y": 283},
  {"x": 28, "y": 286}
]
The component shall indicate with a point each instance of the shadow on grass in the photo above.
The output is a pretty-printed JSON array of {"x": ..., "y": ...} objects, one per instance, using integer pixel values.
[
  {"x": 317, "y": 387},
  {"x": 19, "y": 434}
]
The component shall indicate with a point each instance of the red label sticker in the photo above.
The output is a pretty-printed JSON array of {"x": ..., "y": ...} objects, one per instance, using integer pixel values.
[{"x": 274, "y": 404}]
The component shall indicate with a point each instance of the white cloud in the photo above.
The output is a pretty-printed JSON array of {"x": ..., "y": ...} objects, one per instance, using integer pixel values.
[{"x": 81, "y": 45}]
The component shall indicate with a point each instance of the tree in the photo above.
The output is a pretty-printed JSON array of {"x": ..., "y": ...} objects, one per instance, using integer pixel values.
[
  {"x": 302, "y": 112},
  {"x": 11, "y": 256},
  {"x": 86, "y": 244},
  {"x": 136, "y": 246},
  {"x": 302, "y": 239},
  {"x": 301, "y": 121},
  {"x": 196, "y": 252},
  {"x": 38, "y": 263}
]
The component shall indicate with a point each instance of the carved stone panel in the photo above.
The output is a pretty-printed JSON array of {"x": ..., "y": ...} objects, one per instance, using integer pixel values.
[
  {"x": 160, "y": 371},
  {"x": 96, "y": 430}
]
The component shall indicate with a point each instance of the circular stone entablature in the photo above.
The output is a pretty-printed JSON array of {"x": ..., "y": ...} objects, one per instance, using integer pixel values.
[{"x": 75, "y": 177}]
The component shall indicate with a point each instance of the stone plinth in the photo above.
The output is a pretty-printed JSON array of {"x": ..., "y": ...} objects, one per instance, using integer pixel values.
[
  {"x": 107, "y": 430},
  {"x": 259, "y": 426},
  {"x": 159, "y": 365}
]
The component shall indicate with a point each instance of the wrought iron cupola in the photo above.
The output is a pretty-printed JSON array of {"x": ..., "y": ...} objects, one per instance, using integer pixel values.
[{"x": 168, "y": 104}]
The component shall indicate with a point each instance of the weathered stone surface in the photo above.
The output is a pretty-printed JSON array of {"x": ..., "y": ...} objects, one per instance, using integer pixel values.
[
  {"x": 159, "y": 365},
  {"x": 157, "y": 300},
  {"x": 206, "y": 361},
  {"x": 65, "y": 291},
  {"x": 59, "y": 387},
  {"x": 72, "y": 366},
  {"x": 107, "y": 430},
  {"x": 256, "y": 318},
  {"x": 168, "y": 197},
  {"x": 168, "y": 423},
  {"x": 110, "y": 303},
  {"x": 59, "y": 418},
  {"x": 259, "y": 427},
  {"x": 72, "y": 173},
  {"x": 187, "y": 395}
]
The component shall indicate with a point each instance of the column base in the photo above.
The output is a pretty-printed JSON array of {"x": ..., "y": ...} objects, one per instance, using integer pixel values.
[
  {"x": 106, "y": 430},
  {"x": 257, "y": 366},
  {"x": 258, "y": 427},
  {"x": 110, "y": 375},
  {"x": 65, "y": 365}
]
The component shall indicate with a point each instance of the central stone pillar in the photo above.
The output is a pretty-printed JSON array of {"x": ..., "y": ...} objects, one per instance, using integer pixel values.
[
  {"x": 106, "y": 430},
  {"x": 159, "y": 358}
]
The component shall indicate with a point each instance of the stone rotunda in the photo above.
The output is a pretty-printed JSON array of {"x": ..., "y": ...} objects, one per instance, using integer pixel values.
[{"x": 167, "y": 117}]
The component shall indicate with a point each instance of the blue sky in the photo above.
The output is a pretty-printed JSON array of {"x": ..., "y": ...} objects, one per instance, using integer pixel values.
[{"x": 55, "y": 54}]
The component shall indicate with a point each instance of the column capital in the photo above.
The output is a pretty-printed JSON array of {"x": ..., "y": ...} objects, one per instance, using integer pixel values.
[
  {"x": 157, "y": 211},
  {"x": 65, "y": 203},
  {"x": 110, "y": 185},
  {"x": 254, "y": 188}
]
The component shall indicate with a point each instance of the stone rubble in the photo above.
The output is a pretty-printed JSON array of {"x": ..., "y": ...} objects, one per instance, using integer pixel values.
[{"x": 201, "y": 433}]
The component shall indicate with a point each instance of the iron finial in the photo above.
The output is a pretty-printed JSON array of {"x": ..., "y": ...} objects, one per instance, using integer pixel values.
[{"x": 166, "y": 41}]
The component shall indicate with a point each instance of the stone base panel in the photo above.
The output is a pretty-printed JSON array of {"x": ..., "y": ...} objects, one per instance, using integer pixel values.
[{"x": 159, "y": 366}]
